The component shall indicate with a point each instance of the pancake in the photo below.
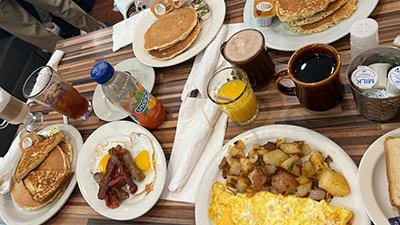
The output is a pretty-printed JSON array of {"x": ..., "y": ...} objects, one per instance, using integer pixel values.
[
  {"x": 57, "y": 161},
  {"x": 170, "y": 29},
  {"x": 67, "y": 149},
  {"x": 23, "y": 199},
  {"x": 332, "y": 7},
  {"x": 342, "y": 13},
  {"x": 289, "y": 10},
  {"x": 179, "y": 47}
]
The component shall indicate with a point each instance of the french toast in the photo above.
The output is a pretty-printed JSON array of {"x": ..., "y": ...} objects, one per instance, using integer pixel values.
[
  {"x": 43, "y": 185},
  {"x": 34, "y": 155},
  {"x": 170, "y": 29}
]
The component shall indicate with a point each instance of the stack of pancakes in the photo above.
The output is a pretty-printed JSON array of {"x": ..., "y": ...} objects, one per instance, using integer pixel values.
[
  {"x": 313, "y": 16},
  {"x": 43, "y": 172},
  {"x": 172, "y": 34}
]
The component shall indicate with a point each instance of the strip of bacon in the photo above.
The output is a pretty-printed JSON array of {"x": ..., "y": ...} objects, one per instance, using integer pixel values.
[
  {"x": 114, "y": 157},
  {"x": 104, "y": 183},
  {"x": 112, "y": 199}
]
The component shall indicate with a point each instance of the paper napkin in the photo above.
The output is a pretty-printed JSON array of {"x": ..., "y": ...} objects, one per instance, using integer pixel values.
[
  {"x": 124, "y": 31},
  {"x": 197, "y": 139}
]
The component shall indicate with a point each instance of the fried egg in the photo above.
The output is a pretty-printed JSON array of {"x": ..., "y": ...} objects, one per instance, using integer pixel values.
[
  {"x": 141, "y": 148},
  {"x": 268, "y": 208}
]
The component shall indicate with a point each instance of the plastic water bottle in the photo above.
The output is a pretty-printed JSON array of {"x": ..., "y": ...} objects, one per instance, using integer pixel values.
[{"x": 125, "y": 92}]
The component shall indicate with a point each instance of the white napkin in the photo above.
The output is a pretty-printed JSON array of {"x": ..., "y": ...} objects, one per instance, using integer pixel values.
[
  {"x": 43, "y": 78},
  {"x": 124, "y": 31},
  {"x": 6, "y": 162},
  {"x": 196, "y": 139}
]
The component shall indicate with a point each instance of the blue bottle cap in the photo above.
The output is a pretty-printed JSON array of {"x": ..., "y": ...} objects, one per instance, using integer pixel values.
[{"x": 102, "y": 72}]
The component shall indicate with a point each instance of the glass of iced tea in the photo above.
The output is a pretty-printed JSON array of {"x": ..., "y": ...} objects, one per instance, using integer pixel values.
[{"x": 45, "y": 86}]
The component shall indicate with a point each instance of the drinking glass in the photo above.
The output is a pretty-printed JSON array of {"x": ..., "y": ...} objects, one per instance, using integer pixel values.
[
  {"x": 46, "y": 87},
  {"x": 14, "y": 111},
  {"x": 230, "y": 89}
]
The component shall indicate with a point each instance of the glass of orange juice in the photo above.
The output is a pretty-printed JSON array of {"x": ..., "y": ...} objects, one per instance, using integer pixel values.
[{"x": 230, "y": 89}]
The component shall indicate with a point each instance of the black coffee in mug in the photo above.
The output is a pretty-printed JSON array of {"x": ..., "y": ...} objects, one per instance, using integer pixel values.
[{"x": 315, "y": 67}]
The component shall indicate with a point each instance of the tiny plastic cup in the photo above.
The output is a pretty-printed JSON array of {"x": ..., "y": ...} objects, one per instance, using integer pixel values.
[
  {"x": 230, "y": 89},
  {"x": 46, "y": 87}
]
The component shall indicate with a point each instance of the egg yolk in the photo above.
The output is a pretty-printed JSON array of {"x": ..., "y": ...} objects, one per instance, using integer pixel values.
[
  {"x": 142, "y": 160},
  {"x": 103, "y": 163}
]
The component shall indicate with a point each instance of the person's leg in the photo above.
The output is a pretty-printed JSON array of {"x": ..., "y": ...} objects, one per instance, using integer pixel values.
[
  {"x": 70, "y": 12},
  {"x": 17, "y": 21}
]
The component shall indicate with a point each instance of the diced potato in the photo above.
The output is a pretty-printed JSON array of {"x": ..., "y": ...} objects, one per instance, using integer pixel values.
[
  {"x": 302, "y": 179},
  {"x": 306, "y": 149},
  {"x": 253, "y": 158},
  {"x": 242, "y": 184},
  {"x": 290, "y": 166},
  {"x": 278, "y": 141},
  {"x": 291, "y": 148},
  {"x": 236, "y": 168},
  {"x": 275, "y": 158},
  {"x": 270, "y": 169},
  {"x": 308, "y": 169},
  {"x": 247, "y": 166},
  {"x": 334, "y": 183},
  {"x": 304, "y": 189},
  {"x": 258, "y": 179},
  {"x": 318, "y": 160},
  {"x": 236, "y": 152},
  {"x": 239, "y": 144}
]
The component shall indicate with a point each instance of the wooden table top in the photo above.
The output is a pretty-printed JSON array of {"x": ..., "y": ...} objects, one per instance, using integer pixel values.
[{"x": 343, "y": 124}]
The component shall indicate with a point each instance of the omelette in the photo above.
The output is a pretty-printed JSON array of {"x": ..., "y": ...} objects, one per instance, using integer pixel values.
[{"x": 267, "y": 208}]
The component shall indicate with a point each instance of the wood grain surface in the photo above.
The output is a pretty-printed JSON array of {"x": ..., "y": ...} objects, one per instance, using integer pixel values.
[{"x": 343, "y": 124}]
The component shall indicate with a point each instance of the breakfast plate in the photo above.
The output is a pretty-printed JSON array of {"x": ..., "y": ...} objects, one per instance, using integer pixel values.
[
  {"x": 103, "y": 108},
  {"x": 210, "y": 29},
  {"x": 373, "y": 182},
  {"x": 118, "y": 131},
  {"x": 12, "y": 214},
  {"x": 341, "y": 162},
  {"x": 279, "y": 37}
]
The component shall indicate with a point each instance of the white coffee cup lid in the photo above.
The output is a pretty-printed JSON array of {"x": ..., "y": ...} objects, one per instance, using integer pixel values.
[{"x": 364, "y": 32}]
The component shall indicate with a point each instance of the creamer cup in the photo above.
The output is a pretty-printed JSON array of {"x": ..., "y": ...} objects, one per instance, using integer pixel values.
[
  {"x": 364, "y": 78},
  {"x": 381, "y": 70},
  {"x": 393, "y": 84},
  {"x": 375, "y": 93}
]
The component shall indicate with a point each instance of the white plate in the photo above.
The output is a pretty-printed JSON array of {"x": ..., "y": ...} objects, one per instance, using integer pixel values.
[
  {"x": 279, "y": 37},
  {"x": 373, "y": 182},
  {"x": 210, "y": 29},
  {"x": 128, "y": 209},
  {"x": 107, "y": 111},
  {"x": 12, "y": 214},
  {"x": 341, "y": 162}
]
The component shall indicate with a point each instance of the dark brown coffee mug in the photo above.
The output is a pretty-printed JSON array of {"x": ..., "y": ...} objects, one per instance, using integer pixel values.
[
  {"x": 319, "y": 95},
  {"x": 246, "y": 49}
]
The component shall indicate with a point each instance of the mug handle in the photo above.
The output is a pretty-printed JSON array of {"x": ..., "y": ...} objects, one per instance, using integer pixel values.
[
  {"x": 4, "y": 124},
  {"x": 222, "y": 48},
  {"x": 282, "y": 88}
]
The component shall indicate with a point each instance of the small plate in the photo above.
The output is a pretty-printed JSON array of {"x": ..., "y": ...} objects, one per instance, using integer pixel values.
[
  {"x": 128, "y": 209},
  {"x": 12, "y": 214},
  {"x": 210, "y": 29},
  {"x": 103, "y": 108},
  {"x": 341, "y": 162},
  {"x": 373, "y": 182},
  {"x": 279, "y": 37}
]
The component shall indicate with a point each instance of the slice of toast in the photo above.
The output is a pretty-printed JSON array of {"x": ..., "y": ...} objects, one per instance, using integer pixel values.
[
  {"x": 392, "y": 155},
  {"x": 43, "y": 185},
  {"x": 35, "y": 154}
]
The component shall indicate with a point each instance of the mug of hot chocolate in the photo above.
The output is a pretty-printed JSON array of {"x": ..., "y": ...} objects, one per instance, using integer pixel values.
[
  {"x": 315, "y": 71},
  {"x": 246, "y": 49}
]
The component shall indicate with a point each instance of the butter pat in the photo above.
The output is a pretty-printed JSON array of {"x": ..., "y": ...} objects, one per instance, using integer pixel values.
[
  {"x": 381, "y": 70},
  {"x": 364, "y": 78},
  {"x": 393, "y": 84}
]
